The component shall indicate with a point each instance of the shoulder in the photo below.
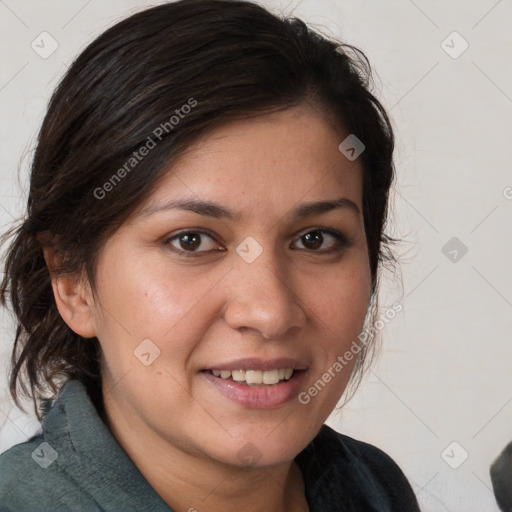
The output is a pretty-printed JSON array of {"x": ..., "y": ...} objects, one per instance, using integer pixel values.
[
  {"x": 74, "y": 465},
  {"x": 23, "y": 482},
  {"x": 34, "y": 476},
  {"x": 16, "y": 466},
  {"x": 32, "y": 479},
  {"x": 376, "y": 460},
  {"x": 373, "y": 474}
]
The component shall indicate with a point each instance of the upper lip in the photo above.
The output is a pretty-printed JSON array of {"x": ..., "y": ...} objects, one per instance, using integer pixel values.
[{"x": 253, "y": 363}]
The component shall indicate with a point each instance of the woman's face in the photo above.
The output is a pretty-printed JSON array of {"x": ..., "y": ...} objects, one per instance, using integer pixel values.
[{"x": 247, "y": 278}]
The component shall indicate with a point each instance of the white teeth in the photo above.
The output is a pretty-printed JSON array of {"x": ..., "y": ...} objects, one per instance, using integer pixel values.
[
  {"x": 271, "y": 377},
  {"x": 238, "y": 375},
  {"x": 255, "y": 377}
]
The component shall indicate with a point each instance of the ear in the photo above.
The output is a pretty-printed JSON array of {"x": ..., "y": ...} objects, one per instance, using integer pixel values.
[{"x": 74, "y": 298}]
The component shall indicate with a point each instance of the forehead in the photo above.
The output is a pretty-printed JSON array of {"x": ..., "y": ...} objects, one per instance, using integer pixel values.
[{"x": 272, "y": 161}]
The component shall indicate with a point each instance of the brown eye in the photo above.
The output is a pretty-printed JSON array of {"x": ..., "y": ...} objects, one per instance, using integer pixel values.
[
  {"x": 192, "y": 241},
  {"x": 323, "y": 240},
  {"x": 313, "y": 240}
]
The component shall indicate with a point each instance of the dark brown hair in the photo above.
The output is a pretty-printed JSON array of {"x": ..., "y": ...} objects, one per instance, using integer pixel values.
[{"x": 226, "y": 60}]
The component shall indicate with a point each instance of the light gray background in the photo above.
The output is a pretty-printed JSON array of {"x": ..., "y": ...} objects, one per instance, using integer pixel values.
[{"x": 443, "y": 374}]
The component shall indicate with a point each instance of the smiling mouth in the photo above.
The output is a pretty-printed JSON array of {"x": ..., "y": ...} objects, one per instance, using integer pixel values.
[{"x": 255, "y": 377}]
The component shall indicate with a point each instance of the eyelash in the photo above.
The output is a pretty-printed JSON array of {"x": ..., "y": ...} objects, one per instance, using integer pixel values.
[{"x": 342, "y": 241}]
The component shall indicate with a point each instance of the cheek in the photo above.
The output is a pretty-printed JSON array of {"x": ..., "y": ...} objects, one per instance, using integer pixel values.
[
  {"x": 340, "y": 312},
  {"x": 341, "y": 305},
  {"x": 145, "y": 300}
]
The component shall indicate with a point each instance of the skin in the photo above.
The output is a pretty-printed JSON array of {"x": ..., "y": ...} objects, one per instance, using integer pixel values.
[{"x": 297, "y": 299}]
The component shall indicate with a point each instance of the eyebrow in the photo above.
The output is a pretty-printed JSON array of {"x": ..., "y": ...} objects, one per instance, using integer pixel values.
[{"x": 213, "y": 209}]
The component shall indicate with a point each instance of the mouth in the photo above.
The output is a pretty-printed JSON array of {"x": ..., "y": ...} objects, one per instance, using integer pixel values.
[
  {"x": 255, "y": 377},
  {"x": 257, "y": 384}
]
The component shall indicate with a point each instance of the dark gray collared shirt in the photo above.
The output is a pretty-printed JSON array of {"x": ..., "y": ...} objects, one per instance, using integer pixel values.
[{"x": 76, "y": 464}]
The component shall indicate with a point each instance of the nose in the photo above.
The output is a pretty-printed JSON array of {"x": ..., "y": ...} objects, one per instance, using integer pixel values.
[{"x": 260, "y": 296}]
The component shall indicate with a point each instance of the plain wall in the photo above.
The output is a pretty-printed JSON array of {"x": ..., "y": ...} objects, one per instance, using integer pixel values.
[{"x": 444, "y": 370}]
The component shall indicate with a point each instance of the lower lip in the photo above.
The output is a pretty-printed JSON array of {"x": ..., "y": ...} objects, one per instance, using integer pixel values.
[{"x": 258, "y": 397}]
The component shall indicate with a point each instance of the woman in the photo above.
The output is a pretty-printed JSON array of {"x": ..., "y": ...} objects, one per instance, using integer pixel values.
[{"x": 196, "y": 276}]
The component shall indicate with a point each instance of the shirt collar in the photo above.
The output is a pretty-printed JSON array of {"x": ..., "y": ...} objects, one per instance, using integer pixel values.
[{"x": 89, "y": 453}]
